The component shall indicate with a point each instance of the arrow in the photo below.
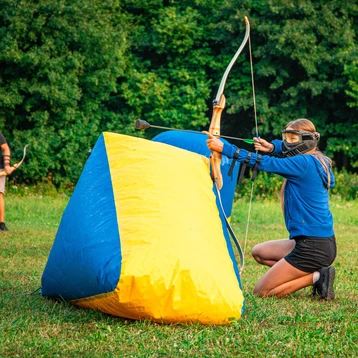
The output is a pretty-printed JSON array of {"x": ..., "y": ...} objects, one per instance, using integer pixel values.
[{"x": 141, "y": 124}]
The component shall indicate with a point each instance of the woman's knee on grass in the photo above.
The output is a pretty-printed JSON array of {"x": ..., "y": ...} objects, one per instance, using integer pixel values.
[
  {"x": 260, "y": 291},
  {"x": 281, "y": 280}
]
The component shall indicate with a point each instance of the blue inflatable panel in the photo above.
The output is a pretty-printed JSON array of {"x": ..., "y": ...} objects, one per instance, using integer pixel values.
[{"x": 92, "y": 265}]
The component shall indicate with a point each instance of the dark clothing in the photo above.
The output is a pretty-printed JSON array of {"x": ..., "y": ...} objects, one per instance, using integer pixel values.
[
  {"x": 2, "y": 141},
  {"x": 312, "y": 253}
]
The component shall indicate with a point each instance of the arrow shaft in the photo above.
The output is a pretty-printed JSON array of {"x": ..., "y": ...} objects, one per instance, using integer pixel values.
[{"x": 250, "y": 141}]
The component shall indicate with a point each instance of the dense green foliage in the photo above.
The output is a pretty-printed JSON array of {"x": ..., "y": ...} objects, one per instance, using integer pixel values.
[
  {"x": 60, "y": 62},
  {"x": 70, "y": 70}
]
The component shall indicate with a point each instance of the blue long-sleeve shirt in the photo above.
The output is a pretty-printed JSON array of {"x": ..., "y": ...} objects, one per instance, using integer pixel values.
[{"x": 306, "y": 201}]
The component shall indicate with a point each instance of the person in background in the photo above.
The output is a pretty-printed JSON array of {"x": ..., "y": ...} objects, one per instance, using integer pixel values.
[
  {"x": 5, "y": 156},
  {"x": 305, "y": 258}
]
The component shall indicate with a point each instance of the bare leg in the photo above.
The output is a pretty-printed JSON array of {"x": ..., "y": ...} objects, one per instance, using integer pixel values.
[
  {"x": 270, "y": 252},
  {"x": 281, "y": 280},
  {"x": 2, "y": 208}
]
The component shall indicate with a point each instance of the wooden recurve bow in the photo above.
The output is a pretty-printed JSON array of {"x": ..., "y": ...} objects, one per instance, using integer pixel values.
[{"x": 218, "y": 106}]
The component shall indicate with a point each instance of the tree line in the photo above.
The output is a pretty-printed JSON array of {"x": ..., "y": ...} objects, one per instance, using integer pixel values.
[{"x": 70, "y": 70}]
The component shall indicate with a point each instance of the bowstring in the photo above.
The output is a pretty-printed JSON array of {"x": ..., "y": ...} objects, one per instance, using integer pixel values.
[{"x": 257, "y": 134}]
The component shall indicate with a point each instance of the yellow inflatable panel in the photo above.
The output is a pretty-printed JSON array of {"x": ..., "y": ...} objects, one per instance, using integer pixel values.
[{"x": 174, "y": 260}]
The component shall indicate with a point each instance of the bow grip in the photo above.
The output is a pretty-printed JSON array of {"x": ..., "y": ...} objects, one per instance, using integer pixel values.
[{"x": 214, "y": 129}]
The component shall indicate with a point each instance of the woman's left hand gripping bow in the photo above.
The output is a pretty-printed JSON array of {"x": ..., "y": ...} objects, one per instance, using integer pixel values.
[{"x": 214, "y": 143}]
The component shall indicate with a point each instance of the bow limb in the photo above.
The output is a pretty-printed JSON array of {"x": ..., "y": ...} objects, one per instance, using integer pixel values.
[
  {"x": 15, "y": 166},
  {"x": 218, "y": 106},
  {"x": 233, "y": 60}
]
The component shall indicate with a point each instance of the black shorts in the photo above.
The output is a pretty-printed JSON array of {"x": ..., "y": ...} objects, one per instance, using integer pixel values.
[{"x": 312, "y": 253}]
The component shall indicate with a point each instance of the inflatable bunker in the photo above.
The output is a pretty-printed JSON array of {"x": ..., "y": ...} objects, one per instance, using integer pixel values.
[
  {"x": 196, "y": 142},
  {"x": 142, "y": 237}
]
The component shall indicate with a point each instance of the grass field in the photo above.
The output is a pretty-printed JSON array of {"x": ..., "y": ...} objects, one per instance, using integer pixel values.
[{"x": 297, "y": 326}]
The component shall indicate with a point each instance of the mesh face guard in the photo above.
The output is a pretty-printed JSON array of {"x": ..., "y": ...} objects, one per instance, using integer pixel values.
[{"x": 298, "y": 142}]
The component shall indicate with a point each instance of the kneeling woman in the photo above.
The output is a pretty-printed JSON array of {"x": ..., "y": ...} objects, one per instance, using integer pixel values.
[{"x": 303, "y": 259}]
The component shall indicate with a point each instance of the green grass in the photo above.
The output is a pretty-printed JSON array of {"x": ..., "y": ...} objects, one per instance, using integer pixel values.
[{"x": 297, "y": 326}]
